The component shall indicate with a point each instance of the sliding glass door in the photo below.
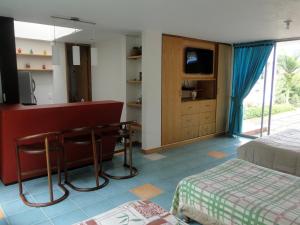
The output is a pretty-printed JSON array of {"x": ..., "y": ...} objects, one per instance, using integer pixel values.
[
  {"x": 273, "y": 104},
  {"x": 286, "y": 103}
]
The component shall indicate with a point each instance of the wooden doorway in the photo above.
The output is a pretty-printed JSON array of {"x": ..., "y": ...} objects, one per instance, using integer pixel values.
[{"x": 79, "y": 76}]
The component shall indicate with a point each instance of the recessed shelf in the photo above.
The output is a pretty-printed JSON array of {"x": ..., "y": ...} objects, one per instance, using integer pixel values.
[
  {"x": 134, "y": 81},
  {"x": 134, "y": 104},
  {"x": 136, "y": 126},
  {"x": 190, "y": 99},
  {"x": 33, "y": 55},
  {"x": 198, "y": 78},
  {"x": 134, "y": 57},
  {"x": 35, "y": 70}
]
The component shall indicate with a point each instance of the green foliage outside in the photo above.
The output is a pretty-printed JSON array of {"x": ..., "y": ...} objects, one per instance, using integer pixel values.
[
  {"x": 255, "y": 111},
  {"x": 288, "y": 82}
]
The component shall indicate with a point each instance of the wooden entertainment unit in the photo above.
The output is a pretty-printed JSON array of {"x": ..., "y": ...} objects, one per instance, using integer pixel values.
[{"x": 185, "y": 118}]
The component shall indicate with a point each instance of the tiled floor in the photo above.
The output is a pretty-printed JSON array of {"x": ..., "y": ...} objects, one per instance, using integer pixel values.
[{"x": 162, "y": 172}]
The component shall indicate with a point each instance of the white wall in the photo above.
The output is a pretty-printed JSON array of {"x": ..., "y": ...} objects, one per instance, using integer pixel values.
[
  {"x": 109, "y": 77},
  {"x": 60, "y": 78},
  {"x": 151, "y": 89}
]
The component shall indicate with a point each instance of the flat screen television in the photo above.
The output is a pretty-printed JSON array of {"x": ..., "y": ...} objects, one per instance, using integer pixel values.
[{"x": 198, "y": 61}]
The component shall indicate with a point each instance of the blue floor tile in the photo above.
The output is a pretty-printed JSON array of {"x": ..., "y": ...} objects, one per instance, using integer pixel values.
[
  {"x": 69, "y": 218},
  {"x": 3, "y": 222},
  {"x": 9, "y": 194},
  {"x": 48, "y": 222},
  {"x": 16, "y": 206},
  {"x": 29, "y": 217},
  {"x": 97, "y": 208}
]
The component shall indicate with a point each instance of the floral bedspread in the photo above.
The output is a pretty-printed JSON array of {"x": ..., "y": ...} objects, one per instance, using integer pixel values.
[
  {"x": 135, "y": 213},
  {"x": 239, "y": 192}
]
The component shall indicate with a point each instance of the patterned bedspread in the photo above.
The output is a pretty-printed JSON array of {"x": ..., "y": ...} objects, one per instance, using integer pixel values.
[
  {"x": 279, "y": 151},
  {"x": 135, "y": 213},
  {"x": 239, "y": 192}
]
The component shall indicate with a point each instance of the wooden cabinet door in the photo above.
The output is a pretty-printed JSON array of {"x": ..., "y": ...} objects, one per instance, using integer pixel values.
[
  {"x": 223, "y": 90},
  {"x": 172, "y": 56}
]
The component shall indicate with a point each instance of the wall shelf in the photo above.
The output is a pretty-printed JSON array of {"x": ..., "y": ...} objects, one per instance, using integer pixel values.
[
  {"x": 35, "y": 70},
  {"x": 134, "y": 81},
  {"x": 136, "y": 126},
  {"x": 33, "y": 55},
  {"x": 134, "y": 104},
  {"x": 135, "y": 57},
  {"x": 191, "y": 77}
]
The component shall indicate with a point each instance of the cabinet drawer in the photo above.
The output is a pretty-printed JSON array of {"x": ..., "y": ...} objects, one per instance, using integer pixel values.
[
  {"x": 207, "y": 106},
  {"x": 207, "y": 129},
  {"x": 189, "y": 108},
  {"x": 207, "y": 117},
  {"x": 190, "y": 120},
  {"x": 189, "y": 132}
]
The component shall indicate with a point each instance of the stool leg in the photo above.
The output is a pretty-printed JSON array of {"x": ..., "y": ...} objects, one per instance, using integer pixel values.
[
  {"x": 58, "y": 166},
  {"x": 95, "y": 157},
  {"x": 65, "y": 164},
  {"x": 100, "y": 157},
  {"x": 19, "y": 171},
  {"x": 130, "y": 155},
  {"x": 49, "y": 169},
  {"x": 125, "y": 151}
]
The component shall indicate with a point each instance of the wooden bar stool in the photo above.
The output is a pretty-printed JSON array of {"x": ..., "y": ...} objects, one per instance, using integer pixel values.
[
  {"x": 85, "y": 136},
  {"x": 121, "y": 130},
  {"x": 44, "y": 143}
]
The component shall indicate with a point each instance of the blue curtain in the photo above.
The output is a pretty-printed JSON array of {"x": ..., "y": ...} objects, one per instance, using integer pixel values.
[{"x": 248, "y": 63}]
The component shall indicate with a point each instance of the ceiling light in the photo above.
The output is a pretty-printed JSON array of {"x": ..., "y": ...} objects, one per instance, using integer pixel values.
[
  {"x": 76, "y": 55},
  {"x": 94, "y": 50},
  {"x": 40, "y": 31},
  {"x": 287, "y": 23},
  {"x": 55, "y": 50}
]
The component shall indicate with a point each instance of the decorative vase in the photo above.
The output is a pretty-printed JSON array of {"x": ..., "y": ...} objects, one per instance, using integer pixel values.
[
  {"x": 19, "y": 50},
  {"x": 44, "y": 67},
  {"x": 45, "y": 52},
  {"x": 194, "y": 95},
  {"x": 31, "y": 51},
  {"x": 136, "y": 51},
  {"x": 27, "y": 65}
]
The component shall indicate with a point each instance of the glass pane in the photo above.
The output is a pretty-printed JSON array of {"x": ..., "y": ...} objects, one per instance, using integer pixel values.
[
  {"x": 286, "y": 96},
  {"x": 257, "y": 103}
]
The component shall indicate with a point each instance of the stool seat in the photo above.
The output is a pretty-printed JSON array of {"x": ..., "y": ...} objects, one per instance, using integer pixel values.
[
  {"x": 78, "y": 140},
  {"x": 37, "y": 148}
]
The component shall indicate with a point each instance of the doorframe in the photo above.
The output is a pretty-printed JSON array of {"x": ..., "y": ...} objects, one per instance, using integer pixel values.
[{"x": 69, "y": 44}]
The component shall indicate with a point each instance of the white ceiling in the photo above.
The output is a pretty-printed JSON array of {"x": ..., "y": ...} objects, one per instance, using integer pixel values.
[{"x": 218, "y": 20}]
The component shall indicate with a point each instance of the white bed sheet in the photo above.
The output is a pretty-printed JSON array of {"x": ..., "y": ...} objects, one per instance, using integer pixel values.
[{"x": 279, "y": 151}]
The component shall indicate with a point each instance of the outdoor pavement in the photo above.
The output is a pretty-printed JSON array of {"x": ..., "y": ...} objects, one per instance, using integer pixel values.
[{"x": 279, "y": 122}]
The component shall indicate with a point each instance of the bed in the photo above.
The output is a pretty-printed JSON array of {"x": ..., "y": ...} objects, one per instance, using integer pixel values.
[
  {"x": 279, "y": 151},
  {"x": 239, "y": 192}
]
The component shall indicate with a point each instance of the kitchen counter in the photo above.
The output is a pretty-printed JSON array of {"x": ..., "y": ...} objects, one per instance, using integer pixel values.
[{"x": 19, "y": 120}]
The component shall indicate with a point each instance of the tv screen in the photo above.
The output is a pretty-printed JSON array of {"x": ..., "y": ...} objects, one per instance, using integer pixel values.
[{"x": 199, "y": 61}]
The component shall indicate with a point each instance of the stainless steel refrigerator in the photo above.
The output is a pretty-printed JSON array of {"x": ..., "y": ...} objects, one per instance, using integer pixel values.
[{"x": 26, "y": 88}]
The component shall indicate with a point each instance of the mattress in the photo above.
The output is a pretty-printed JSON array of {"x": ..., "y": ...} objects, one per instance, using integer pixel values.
[
  {"x": 239, "y": 192},
  {"x": 279, "y": 151}
]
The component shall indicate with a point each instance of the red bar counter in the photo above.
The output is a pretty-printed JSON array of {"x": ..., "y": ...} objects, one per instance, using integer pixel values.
[{"x": 18, "y": 121}]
